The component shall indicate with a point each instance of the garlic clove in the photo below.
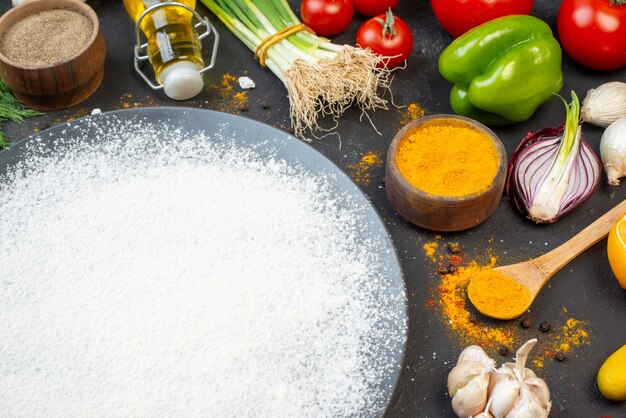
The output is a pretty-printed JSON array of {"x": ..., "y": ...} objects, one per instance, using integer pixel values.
[
  {"x": 485, "y": 413},
  {"x": 503, "y": 396},
  {"x": 475, "y": 353},
  {"x": 613, "y": 151},
  {"x": 604, "y": 104},
  {"x": 462, "y": 373},
  {"x": 471, "y": 399},
  {"x": 528, "y": 406},
  {"x": 540, "y": 389}
]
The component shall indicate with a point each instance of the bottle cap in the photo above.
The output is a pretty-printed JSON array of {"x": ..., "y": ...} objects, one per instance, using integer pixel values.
[{"x": 181, "y": 80}]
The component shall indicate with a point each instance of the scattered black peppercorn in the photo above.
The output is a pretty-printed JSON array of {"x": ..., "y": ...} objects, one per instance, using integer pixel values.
[
  {"x": 443, "y": 269},
  {"x": 383, "y": 181},
  {"x": 544, "y": 327},
  {"x": 526, "y": 322},
  {"x": 446, "y": 269},
  {"x": 44, "y": 127},
  {"x": 559, "y": 356},
  {"x": 454, "y": 247},
  {"x": 472, "y": 318},
  {"x": 242, "y": 107},
  {"x": 265, "y": 104},
  {"x": 504, "y": 351}
]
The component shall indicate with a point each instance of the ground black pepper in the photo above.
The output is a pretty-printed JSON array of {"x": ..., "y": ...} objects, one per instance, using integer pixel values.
[{"x": 47, "y": 37}]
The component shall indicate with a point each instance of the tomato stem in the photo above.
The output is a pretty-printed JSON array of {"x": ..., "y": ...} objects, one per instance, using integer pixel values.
[
  {"x": 617, "y": 2},
  {"x": 388, "y": 24}
]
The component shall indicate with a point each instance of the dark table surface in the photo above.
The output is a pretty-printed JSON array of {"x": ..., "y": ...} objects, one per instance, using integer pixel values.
[{"x": 586, "y": 289}]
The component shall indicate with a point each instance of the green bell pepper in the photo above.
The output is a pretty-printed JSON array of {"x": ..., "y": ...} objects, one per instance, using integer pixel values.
[{"x": 503, "y": 70}]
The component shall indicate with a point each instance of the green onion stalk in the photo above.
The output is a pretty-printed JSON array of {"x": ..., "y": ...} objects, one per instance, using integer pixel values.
[{"x": 322, "y": 79}]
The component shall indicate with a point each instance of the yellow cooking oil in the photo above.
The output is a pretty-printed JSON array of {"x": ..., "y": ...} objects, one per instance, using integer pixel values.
[{"x": 170, "y": 33}]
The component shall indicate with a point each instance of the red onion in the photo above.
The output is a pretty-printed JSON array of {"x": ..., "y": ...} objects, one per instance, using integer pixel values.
[{"x": 553, "y": 170}]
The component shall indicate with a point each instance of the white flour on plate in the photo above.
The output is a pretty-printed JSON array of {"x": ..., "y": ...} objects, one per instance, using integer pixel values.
[{"x": 185, "y": 279}]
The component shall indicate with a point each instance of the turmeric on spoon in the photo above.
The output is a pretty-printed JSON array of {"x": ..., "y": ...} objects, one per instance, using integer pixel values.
[{"x": 506, "y": 292}]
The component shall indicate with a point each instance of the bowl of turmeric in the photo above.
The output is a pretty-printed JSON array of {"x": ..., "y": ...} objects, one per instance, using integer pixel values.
[{"x": 445, "y": 173}]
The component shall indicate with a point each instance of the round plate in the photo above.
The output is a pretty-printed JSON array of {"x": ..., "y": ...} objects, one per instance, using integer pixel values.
[{"x": 266, "y": 141}]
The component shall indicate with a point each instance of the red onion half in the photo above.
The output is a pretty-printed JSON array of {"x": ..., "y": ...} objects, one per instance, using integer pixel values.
[{"x": 553, "y": 170}]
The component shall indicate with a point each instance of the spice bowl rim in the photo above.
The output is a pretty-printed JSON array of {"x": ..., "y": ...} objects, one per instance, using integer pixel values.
[
  {"x": 85, "y": 10},
  {"x": 411, "y": 126}
]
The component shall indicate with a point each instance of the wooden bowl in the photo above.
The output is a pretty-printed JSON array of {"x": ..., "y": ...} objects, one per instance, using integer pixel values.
[
  {"x": 59, "y": 85},
  {"x": 443, "y": 213}
]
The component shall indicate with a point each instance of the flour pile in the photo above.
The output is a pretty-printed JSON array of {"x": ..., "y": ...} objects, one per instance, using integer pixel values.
[{"x": 186, "y": 277}]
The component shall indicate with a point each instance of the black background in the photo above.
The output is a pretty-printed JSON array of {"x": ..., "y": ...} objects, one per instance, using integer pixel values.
[{"x": 586, "y": 287}]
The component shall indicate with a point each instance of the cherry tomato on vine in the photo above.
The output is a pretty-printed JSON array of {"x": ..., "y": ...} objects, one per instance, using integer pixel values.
[
  {"x": 459, "y": 16},
  {"x": 374, "y": 7},
  {"x": 593, "y": 32},
  {"x": 327, "y": 17},
  {"x": 386, "y": 35}
]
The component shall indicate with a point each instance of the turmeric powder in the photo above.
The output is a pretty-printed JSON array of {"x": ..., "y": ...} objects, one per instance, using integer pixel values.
[
  {"x": 449, "y": 158},
  {"x": 361, "y": 172},
  {"x": 450, "y": 296},
  {"x": 498, "y": 295},
  {"x": 452, "y": 299}
]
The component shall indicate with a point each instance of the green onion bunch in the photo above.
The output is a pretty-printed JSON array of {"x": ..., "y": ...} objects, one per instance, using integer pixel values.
[{"x": 322, "y": 79}]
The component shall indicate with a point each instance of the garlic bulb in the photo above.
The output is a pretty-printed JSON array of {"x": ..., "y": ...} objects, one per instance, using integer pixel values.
[
  {"x": 516, "y": 392},
  {"x": 468, "y": 381},
  {"x": 478, "y": 390},
  {"x": 605, "y": 104},
  {"x": 613, "y": 151}
]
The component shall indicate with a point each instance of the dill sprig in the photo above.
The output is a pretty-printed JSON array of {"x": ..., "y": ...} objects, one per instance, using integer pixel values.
[{"x": 12, "y": 110}]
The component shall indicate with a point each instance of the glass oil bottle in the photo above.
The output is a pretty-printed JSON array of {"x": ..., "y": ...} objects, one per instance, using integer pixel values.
[{"x": 173, "y": 46}]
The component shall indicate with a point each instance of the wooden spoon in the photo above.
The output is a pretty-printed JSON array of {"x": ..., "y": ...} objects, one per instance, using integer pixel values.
[{"x": 534, "y": 274}]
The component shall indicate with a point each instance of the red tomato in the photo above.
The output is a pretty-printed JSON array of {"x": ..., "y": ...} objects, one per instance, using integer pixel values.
[
  {"x": 327, "y": 17},
  {"x": 459, "y": 16},
  {"x": 374, "y": 7},
  {"x": 593, "y": 32},
  {"x": 386, "y": 35}
]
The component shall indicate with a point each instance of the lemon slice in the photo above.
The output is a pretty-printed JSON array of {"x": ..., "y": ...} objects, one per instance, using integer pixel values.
[{"x": 616, "y": 249}]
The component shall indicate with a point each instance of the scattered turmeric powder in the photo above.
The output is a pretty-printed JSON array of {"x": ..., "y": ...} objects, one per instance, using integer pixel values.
[
  {"x": 223, "y": 96},
  {"x": 361, "y": 171},
  {"x": 453, "y": 300},
  {"x": 471, "y": 328},
  {"x": 497, "y": 295},
  {"x": 128, "y": 100},
  {"x": 413, "y": 111},
  {"x": 573, "y": 334},
  {"x": 430, "y": 248},
  {"x": 448, "y": 158},
  {"x": 228, "y": 82}
]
